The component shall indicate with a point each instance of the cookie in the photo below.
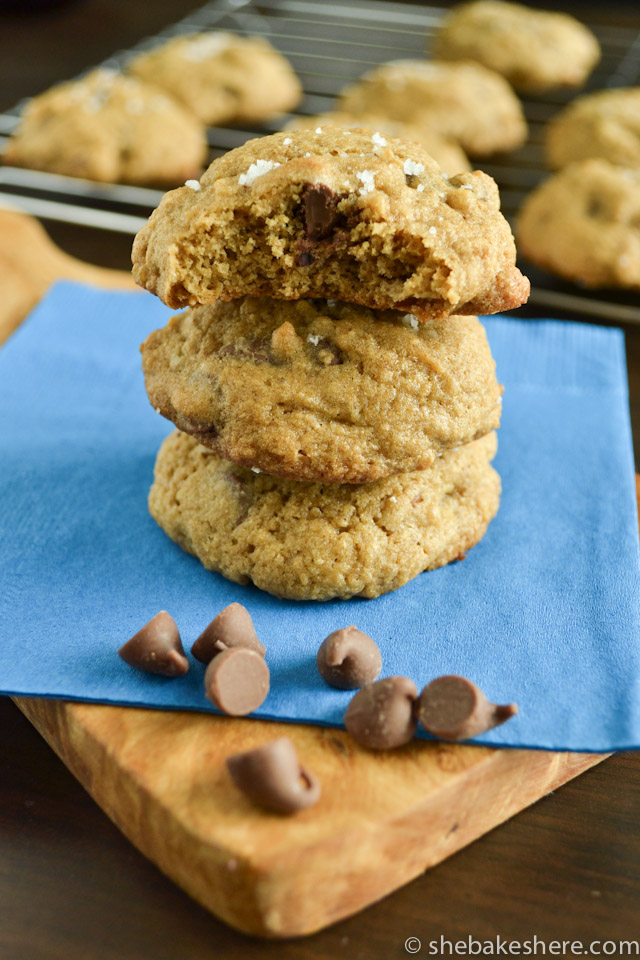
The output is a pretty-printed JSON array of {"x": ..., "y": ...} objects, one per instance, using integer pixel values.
[
  {"x": 310, "y": 390},
  {"x": 333, "y": 213},
  {"x": 109, "y": 128},
  {"x": 221, "y": 77},
  {"x": 309, "y": 541},
  {"x": 605, "y": 124},
  {"x": 465, "y": 102},
  {"x": 584, "y": 224},
  {"x": 534, "y": 49},
  {"x": 447, "y": 153}
]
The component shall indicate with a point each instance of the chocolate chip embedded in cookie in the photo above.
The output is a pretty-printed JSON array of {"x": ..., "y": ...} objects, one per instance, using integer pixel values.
[
  {"x": 605, "y": 125},
  {"x": 335, "y": 213},
  {"x": 445, "y": 151},
  {"x": 312, "y": 541},
  {"x": 310, "y": 390},
  {"x": 463, "y": 101},
  {"x": 109, "y": 128},
  {"x": 583, "y": 224},
  {"x": 533, "y": 49},
  {"x": 221, "y": 77}
]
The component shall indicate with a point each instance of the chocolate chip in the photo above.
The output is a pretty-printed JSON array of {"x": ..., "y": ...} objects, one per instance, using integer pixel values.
[
  {"x": 237, "y": 681},
  {"x": 304, "y": 260},
  {"x": 321, "y": 215},
  {"x": 382, "y": 714},
  {"x": 157, "y": 648},
  {"x": 233, "y": 627},
  {"x": 272, "y": 777},
  {"x": 453, "y": 708},
  {"x": 257, "y": 350},
  {"x": 348, "y": 659}
]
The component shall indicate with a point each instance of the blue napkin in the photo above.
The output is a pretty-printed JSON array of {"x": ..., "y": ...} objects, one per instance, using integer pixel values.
[{"x": 544, "y": 611}]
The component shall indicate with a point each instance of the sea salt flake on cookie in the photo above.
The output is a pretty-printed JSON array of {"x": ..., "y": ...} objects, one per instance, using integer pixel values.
[{"x": 257, "y": 169}]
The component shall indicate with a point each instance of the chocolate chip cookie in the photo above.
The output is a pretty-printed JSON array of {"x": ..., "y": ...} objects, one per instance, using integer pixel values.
[
  {"x": 109, "y": 128},
  {"x": 463, "y": 101},
  {"x": 333, "y": 213},
  {"x": 221, "y": 77},
  {"x": 446, "y": 152},
  {"x": 308, "y": 541},
  {"x": 535, "y": 50},
  {"x": 310, "y": 390},
  {"x": 605, "y": 124},
  {"x": 584, "y": 224}
]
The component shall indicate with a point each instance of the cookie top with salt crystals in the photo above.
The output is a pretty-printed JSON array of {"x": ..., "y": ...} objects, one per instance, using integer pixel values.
[
  {"x": 347, "y": 214},
  {"x": 109, "y": 128}
]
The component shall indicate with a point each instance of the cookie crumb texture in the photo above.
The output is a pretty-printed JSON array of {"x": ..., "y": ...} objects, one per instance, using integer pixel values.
[
  {"x": 308, "y": 541},
  {"x": 584, "y": 224},
  {"x": 221, "y": 77},
  {"x": 333, "y": 214},
  {"x": 535, "y": 50},
  {"x": 109, "y": 128},
  {"x": 463, "y": 101},
  {"x": 310, "y": 391}
]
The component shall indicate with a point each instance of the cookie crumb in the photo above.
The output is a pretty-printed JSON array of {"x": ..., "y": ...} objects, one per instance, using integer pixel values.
[{"x": 257, "y": 169}]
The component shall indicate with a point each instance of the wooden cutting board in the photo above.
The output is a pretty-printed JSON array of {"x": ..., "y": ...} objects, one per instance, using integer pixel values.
[{"x": 161, "y": 776}]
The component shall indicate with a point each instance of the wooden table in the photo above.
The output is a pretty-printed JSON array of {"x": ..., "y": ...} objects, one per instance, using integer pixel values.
[{"x": 72, "y": 887}]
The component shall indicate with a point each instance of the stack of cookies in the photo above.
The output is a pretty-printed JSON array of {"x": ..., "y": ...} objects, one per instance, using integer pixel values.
[{"x": 335, "y": 396}]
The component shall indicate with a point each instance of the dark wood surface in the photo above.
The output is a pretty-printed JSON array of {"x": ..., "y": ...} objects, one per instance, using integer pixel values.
[{"x": 71, "y": 887}]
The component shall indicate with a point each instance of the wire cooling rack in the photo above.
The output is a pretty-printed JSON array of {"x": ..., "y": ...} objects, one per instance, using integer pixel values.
[{"x": 331, "y": 44}]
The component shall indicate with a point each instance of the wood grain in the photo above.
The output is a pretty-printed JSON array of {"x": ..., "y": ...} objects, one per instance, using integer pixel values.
[
  {"x": 382, "y": 819},
  {"x": 30, "y": 263}
]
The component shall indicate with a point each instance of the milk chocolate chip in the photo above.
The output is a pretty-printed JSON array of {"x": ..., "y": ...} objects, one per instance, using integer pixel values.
[
  {"x": 382, "y": 714},
  {"x": 237, "y": 681},
  {"x": 157, "y": 648},
  {"x": 233, "y": 627},
  {"x": 272, "y": 777},
  {"x": 453, "y": 708},
  {"x": 348, "y": 659},
  {"x": 321, "y": 216}
]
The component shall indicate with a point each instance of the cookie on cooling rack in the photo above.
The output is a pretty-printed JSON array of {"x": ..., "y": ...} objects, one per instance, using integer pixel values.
[
  {"x": 605, "y": 124},
  {"x": 584, "y": 224},
  {"x": 333, "y": 213},
  {"x": 310, "y": 541},
  {"x": 221, "y": 77},
  {"x": 535, "y": 50},
  {"x": 109, "y": 128},
  {"x": 463, "y": 101},
  {"x": 310, "y": 390}
]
